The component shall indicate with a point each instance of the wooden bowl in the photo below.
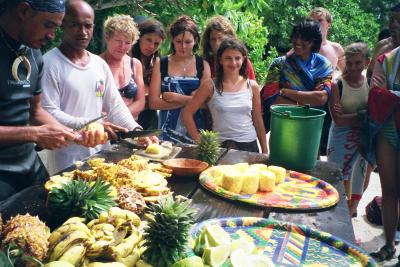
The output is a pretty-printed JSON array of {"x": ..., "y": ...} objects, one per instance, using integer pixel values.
[{"x": 185, "y": 167}]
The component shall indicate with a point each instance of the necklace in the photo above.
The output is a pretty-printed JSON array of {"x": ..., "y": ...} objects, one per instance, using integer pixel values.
[
  {"x": 185, "y": 65},
  {"x": 21, "y": 58}
]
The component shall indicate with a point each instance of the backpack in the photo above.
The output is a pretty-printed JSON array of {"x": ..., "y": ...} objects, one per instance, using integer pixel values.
[{"x": 373, "y": 211}]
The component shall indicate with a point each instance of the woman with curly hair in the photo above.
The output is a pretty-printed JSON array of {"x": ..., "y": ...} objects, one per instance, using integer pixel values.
[{"x": 121, "y": 33}]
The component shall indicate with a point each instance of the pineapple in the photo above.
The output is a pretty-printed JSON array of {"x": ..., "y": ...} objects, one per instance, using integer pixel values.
[
  {"x": 129, "y": 199},
  {"x": 208, "y": 148},
  {"x": 167, "y": 233},
  {"x": 80, "y": 198},
  {"x": 26, "y": 236}
]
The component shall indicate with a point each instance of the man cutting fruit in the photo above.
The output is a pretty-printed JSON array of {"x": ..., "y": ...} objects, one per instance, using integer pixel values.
[{"x": 78, "y": 86}]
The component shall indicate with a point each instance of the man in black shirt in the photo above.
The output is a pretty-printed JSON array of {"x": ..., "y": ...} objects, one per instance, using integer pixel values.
[{"x": 25, "y": 26}]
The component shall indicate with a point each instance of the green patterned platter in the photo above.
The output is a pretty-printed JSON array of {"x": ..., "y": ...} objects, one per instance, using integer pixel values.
[{"x": 290, "y": 245}]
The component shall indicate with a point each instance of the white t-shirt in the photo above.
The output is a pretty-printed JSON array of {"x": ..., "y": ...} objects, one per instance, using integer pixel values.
[{"x": 74, "y": 95}]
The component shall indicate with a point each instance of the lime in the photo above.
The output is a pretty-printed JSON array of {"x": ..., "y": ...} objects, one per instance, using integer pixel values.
[
  {"x": 193, "y": 261},
  {"x": 216, "y": 256},
  {"x": 241, "y": 243},
  {"x": 260, "y": 261},
  {"x": 201, "y": 243},
  {"x": 217, "y": 235},
  {"x": 238, "y": 258}
]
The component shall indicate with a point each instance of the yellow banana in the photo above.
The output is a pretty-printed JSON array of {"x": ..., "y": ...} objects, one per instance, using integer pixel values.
[
  {"x": 58, "y": 264},
  {"x": 97, "y": 248},
  {"x": 106, "y": 264},
  {"x": 142, "y": 263},
  {"x": 126, "y": 246},
  {"x": 125, "y": 215},
  {"x": 66, "y": 228},
  {"x": 74, "y": 254},
  {"x": 103, "y": 217},
  {"x": 92, "y": 223},
  {"x": 141, "y": 247},
  {"x": 103, "y": 227},
  {"x": 103, "y": 231},
  {"x": 74, "y": 220},
  {"x": 65, "y": 242},
  {"x": 131, "y": 259}
]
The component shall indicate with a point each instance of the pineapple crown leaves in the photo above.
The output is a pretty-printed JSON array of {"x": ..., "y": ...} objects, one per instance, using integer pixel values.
[
  {"x": 168, "y": 230},
  {"x": 14, "y": 254},
  {"x": 208, "y": 147},
  {"x": 78, "y": 197}
]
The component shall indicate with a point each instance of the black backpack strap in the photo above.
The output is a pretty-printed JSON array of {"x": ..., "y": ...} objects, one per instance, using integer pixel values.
[
  {"x": 163, "y": 67},
  {"x": 340, "y": 86},
  {"x": 199, "y": 67}
]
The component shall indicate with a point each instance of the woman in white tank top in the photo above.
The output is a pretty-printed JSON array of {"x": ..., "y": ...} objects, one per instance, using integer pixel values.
[{"x": 233, "y": 100}]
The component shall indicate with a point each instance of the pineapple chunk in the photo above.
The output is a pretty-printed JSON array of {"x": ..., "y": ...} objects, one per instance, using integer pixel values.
[
  {"x": 241, "y": 167},
  {"x": 217, "y": 174},
  {"x": 153, "y": 149},
  {"x": 280, "y": 173},
  {"x": 259, "y": 166},
  {"x": 250, "y": 182},
  {"x": 267, "y": 180},
  {"x": 232, "y": 181}
]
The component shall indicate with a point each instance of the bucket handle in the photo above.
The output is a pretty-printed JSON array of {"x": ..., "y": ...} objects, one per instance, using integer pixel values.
[
  {"x": 284, "y": 113},
  {"x": 288, "y": 113}
]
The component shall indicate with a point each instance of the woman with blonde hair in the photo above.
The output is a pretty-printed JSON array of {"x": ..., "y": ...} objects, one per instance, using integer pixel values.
[
  {"x": 120, "y": 34},
  {"x": 217, "y": 29}
]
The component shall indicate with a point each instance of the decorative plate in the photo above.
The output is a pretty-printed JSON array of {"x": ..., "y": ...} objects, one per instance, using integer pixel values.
[
  {"x": 298, "y": 191},
  {"x": 291, "y": 245}
]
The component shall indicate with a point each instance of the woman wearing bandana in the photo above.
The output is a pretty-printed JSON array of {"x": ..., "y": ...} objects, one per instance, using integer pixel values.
[{"x": 25, "y": 26}]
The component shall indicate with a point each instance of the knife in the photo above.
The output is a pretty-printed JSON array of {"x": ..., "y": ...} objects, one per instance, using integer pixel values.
[
  {"x": 138, "y": 133},
  {"x": 89, "y": 122}
]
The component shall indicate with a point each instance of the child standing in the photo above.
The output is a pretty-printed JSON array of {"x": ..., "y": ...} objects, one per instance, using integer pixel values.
[
  {"x": 233, "y": 100},
  {"x": 347, "y": 105}
]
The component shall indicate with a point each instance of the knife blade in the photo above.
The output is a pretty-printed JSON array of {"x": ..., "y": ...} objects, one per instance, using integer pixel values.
[
  {"x": 89, "y": 122},
  {"x": 138, "y": 133}
]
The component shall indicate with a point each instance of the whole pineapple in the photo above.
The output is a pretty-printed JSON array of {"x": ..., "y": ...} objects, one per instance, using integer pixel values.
[
  {"x": 27, "y": 233},
  {"x": 208, "y": 147},
  {"x": 81, "y": 198},
  {"x": 167, "y": 233}
]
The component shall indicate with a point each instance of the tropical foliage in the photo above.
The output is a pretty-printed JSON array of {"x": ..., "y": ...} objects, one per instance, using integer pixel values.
[{"x": 264, "y": 25}]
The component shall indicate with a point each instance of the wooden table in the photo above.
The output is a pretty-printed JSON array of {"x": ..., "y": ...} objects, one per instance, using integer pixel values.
[{"x": 335, "y": 220}]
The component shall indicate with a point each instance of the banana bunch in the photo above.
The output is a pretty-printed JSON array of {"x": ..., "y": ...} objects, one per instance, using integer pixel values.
[
  {"x": 117, "y": 236},
  {"x": 114, "y": 239},
  {"x": 68, "y": 242}
]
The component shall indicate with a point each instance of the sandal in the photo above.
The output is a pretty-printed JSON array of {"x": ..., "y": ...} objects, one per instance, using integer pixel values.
[{"x": 385, "y": 253}]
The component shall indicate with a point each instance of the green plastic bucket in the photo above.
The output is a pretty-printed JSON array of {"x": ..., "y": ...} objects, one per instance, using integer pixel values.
[{"x": 295, "y": 136}]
